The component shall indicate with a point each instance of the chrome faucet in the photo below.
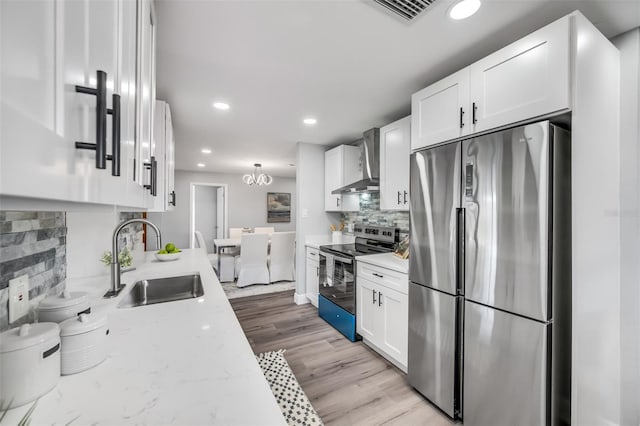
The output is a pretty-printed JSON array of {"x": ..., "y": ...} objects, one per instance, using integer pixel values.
[{"x": 116, "y": 286}]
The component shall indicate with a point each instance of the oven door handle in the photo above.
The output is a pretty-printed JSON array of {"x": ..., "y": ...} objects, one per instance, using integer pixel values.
[{"x": 344, "y": 260}]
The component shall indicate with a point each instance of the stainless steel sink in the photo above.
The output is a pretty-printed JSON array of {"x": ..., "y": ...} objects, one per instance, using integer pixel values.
[{"x": 160, "y": 290}]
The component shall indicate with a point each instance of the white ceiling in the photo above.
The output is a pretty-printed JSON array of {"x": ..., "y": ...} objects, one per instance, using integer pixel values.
[{"x": 349, "y": 63}]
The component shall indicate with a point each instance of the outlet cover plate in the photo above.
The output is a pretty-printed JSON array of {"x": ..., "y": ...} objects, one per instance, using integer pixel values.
[{"x": 18, "y": 297}]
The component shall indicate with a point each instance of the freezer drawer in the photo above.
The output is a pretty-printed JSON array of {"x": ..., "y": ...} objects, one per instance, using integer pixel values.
[
  {"x": 432, "y": 368},
  {"x": 506, "y": 368}
]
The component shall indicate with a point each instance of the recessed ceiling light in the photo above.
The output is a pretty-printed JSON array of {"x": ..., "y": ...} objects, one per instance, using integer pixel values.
[
  {"x": 206, "y": 151},
  {"x": 463, "y": 9},
  {"x": 310, "y": 121},
  {"x": 200, "y": 164},
  {"x": 221, "y": 105}
]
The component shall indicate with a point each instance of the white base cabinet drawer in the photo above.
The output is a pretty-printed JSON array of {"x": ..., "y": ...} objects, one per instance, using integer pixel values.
[{"x": 383, "y": 276}]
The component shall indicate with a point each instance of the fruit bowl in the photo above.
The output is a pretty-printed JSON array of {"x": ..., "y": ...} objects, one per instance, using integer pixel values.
[{"x": 168, "y": 257}]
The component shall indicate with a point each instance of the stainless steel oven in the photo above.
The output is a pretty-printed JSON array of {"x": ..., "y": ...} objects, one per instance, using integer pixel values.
[
  {"x": 338, "y": 283},
  {"x": 337, "y": 286}
]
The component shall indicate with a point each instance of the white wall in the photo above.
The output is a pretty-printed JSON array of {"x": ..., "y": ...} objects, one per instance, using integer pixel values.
[
  {"x": 247, "y": 204},
  {"x": 205, "y": 214},
  {"x": 312, "y": 219},
  {"x": 629, "y": 45}
]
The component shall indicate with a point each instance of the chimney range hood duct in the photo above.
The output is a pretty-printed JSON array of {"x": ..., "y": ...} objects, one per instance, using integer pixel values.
[{"x": 369, "y": 165}]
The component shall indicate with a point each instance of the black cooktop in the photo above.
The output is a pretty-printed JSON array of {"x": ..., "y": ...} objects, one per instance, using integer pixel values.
[{"x": 353, "y": 250}]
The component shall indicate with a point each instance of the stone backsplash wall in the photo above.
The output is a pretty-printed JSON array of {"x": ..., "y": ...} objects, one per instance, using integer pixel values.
[
  {"x": 370, "y": 213},
  {"x": 31, "y": 243},
  {"x": 131, "y": 236}
]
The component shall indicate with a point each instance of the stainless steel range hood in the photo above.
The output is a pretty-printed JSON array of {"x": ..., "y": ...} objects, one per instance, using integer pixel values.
[{"x": 369, "y": 165}]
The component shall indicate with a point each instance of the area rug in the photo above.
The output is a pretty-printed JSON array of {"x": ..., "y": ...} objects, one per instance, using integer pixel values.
[
  {"x": 232, "y": 291},
  {"x": 295, "y": 406}
]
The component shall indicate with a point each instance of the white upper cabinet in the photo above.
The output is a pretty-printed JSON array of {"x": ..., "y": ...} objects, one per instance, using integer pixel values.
[
  {"x": 441, "y": 111},
  {"x": 163, "y": 153},
  {"x": 524, "y": 80},
  {"x": 395, "y": 149},
  {"x": 342, "y": 166},
  {"x": 50, "y": 57}
]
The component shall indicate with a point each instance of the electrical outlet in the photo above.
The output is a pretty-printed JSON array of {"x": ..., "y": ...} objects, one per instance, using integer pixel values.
[{"x": 18, "y": 297}]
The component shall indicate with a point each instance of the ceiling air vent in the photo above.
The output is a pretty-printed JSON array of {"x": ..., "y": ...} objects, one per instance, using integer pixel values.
[{"x": 408, "y": 9}]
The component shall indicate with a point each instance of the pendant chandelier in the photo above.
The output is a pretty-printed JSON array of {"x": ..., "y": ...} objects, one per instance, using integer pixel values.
[{"x": 257, "y": 177}]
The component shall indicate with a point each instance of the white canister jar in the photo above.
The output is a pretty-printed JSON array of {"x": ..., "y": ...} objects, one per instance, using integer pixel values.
[
  {"x": 84, "y": 342},
  {"x": 29, "y": 362},
  {"x": 66, "y": 305}
]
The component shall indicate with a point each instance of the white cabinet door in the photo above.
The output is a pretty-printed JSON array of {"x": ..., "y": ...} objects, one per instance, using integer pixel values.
[
  {"x": 394, "y": 328},
  {"x": 170, "y": 158},
  {"x": 332, "y": 178},
  {"x": 162, "y": 150},
  {"x": 526, "y": 79},
  {"x": 341, "y": 167},
  {"x": 395, "y": 149},
  {"x": 368, "y": 316},
  {"x": 47, "y": 49},
  {"x": 440, "y": 112},
  {"x": 312, "y": 280},
  {"x": 146, "y": 95}
]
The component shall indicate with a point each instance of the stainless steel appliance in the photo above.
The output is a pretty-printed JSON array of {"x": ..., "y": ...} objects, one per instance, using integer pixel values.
[
  {"x": 337, "y": 299},
  {"x": 490, "y": 278}
]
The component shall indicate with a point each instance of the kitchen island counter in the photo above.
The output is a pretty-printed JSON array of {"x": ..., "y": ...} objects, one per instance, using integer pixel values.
[{"x": 182, "y": 362}]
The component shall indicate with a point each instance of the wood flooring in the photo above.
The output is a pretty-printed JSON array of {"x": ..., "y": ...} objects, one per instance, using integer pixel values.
[{"x": 347, "y": 383}]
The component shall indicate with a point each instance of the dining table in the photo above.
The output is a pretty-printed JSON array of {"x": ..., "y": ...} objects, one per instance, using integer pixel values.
[{"x": 223, "y": 243}]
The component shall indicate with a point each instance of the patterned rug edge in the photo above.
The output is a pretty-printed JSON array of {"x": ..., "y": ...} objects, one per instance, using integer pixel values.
[{"x": 293, "y": 402}]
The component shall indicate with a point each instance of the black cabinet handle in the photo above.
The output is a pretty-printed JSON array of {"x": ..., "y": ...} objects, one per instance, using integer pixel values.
[
  {"x": 405, "y": 197},
  {"x": 338, "y": 202},
  {"x": 317, "y": 271},
  {"x": 379, "y": 298},
  {"x": 153, "y": 167},
  {"x": 461, "y": 120},
  {"x": 399, "y": 194},
  {"x": 473, "y": 113},
  {"x": 374, "y": 297},
  {"x": 115, "y": 135},
  {"x": 378, "y": 275},
  {"x": 173, "y": 198},
  {"x": 100, "y": 92}
]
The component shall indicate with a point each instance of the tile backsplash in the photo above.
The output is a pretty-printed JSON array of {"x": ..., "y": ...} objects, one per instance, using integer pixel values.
[
  {"x": 33, "y": 244},
  {"x": 370, "y": 213}
]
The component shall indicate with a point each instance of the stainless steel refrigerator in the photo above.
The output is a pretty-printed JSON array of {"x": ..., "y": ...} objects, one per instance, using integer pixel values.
[{"x": 490, "y": 278}]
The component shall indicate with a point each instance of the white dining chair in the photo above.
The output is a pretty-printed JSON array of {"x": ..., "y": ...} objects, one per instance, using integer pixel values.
[
  {"x": 251, "y": 265},
  {"x": 227, "y": 262},
  {"x": 235, "y": 233},
  {"x": 281, "y": 260},
  {"x": 263, "y": 230}
]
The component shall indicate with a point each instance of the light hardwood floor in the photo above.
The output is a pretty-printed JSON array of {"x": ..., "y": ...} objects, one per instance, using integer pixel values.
[{"x": 347, "y": 383}]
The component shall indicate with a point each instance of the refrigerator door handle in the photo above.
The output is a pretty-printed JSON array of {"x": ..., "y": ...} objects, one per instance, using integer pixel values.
[{"x": 460, "y": 229}]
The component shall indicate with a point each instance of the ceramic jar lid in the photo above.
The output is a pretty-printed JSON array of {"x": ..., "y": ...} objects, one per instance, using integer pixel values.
[
  {"x": 64, "y": 300},
  {"x": 81, "y": 324},
  {"x": 27, "y": 335}
]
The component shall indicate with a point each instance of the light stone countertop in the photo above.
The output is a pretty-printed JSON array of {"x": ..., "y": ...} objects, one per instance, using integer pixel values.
[
  {"x": 386, "y": 260},
  {"x": 183, "y": 362}
]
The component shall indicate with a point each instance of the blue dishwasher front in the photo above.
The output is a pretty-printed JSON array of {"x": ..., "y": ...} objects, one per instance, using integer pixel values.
[{"x": 339, "y": 318}]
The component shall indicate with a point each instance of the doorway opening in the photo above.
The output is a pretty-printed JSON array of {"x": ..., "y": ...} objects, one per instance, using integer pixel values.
[{"x": 208, "y": 212}]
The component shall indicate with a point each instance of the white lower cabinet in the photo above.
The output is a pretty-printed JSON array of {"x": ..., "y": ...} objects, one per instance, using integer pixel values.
[
  {"x": 382, "y": 311},
  {"x": 312, "y": 275}
]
